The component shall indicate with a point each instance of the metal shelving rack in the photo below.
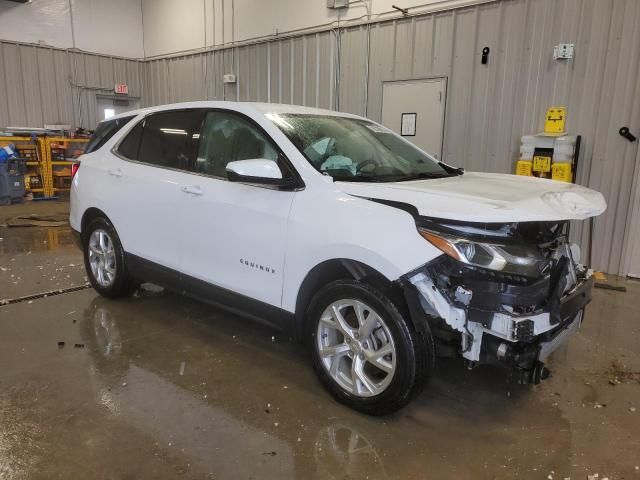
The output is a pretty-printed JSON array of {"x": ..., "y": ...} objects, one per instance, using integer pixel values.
[
  {"x": 30, "y": 150},
  {"x": 60, "y": 155}
]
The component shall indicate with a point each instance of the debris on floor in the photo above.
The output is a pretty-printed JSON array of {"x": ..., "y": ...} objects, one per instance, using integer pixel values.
[
  {"x": 619, "y": 373},
  {"x": 149, "y": 290},
  {"x": 37, "y": 220},
  {"x": 602, "y": 281}
]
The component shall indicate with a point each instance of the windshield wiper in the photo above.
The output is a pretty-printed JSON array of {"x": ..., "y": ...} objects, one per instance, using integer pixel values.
[
  {"x": 359, "y": 178},
  {"x": 425, "y": 175}
]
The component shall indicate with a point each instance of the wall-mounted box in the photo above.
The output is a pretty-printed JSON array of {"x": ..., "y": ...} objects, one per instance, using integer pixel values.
[
  {"x": 337, "y": 3},
  {"x": 229, "y": 78}
]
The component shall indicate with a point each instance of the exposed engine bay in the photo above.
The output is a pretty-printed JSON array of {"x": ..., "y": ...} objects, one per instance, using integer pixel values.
[{"x": 507, "y": 293}]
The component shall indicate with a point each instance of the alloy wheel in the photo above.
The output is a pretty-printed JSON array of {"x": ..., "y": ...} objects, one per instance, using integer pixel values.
[
  {"x": 102, "y": 257},
  {"x": 356, "y": 347}
]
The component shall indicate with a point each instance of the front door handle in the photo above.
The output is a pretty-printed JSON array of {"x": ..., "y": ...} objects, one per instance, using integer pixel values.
[
  {"x": 192, "y": 190},
  {"x": 115, "y": 172}
]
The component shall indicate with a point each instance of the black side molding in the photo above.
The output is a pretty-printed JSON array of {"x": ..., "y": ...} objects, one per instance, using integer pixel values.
[{"x": 147, "y": 271}]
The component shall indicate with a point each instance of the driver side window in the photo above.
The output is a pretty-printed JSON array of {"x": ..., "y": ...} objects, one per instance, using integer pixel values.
[{"x": 227, "y": 137}]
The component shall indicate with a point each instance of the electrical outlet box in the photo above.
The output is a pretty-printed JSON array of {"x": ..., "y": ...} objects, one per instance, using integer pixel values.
[
  {"x": 229, "y": 78},
  {"x": 337, "y": 3},
  {"x": 563, "y": 51}
]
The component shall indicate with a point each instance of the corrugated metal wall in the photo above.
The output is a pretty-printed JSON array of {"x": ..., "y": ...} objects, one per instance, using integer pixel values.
[
  {"x": 488, "y": 106},
  {"x": 37, "y": 84}
]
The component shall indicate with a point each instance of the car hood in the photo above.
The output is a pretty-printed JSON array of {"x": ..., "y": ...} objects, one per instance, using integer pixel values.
[{"x": 487, "y": 197}]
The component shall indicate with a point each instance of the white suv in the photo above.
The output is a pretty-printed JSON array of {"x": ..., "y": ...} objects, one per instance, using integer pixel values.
[{"x": 341, "y": 233}]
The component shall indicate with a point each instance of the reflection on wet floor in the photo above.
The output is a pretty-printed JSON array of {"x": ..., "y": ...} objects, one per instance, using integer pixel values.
[
  {"x": 30, "y": 239},
  {"x": 36, "y": 259},
  {"x": 166, "y": 386}
]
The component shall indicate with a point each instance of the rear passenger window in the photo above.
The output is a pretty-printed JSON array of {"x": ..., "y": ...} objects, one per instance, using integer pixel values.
[
  {"x": 170, "y": 139},
  {"x": 105, "y": 131},
  {"x": 131, "y": 144}
]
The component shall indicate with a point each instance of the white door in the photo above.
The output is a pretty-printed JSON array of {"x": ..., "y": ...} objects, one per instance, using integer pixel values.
[
  {"x": 108, "y": 106},
  {"x": 415, "y": 110},
  {"x": 634, "y": 232},
  {"x": 234, "y": 234},
  {"x": 144, "y": 194}
]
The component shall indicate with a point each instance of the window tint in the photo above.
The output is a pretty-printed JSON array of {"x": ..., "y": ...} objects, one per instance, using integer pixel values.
[
  {"x": 227, "y": 137},
  {"x": 105, "y": 131},
  {"x": 131, "y": 143},
  {"x": 170, "y": 139}
]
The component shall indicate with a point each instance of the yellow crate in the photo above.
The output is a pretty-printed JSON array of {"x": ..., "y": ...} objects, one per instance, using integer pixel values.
[
  {"x": 523, "y": 167},
  {"x": 555, "y": 119},
  {"x": 561, "y": 172},
  {"x": 541, "y": 163}
]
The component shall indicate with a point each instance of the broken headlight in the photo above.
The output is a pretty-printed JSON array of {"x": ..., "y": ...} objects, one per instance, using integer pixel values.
[{"x": 514, "y": 259}]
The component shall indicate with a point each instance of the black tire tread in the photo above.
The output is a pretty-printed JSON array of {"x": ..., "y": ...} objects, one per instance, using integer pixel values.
[
  {"x": 421, "y": 346},
  {"x": 124, "y": 285}
]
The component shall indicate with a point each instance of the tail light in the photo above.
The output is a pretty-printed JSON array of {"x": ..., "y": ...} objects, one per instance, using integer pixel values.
[{"x": 74, "y": 169}]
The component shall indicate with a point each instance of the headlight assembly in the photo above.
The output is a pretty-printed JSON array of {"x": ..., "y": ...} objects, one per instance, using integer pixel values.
[{"x": 514, "y": 259}]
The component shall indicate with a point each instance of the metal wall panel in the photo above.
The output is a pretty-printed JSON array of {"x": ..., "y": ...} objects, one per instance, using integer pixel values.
[
  {"x": 36, "y": 88},
  {"x": 488, "y": 107}
]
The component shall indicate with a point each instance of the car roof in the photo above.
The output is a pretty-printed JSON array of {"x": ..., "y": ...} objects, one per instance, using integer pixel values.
[{"x": 264, "y": 108}]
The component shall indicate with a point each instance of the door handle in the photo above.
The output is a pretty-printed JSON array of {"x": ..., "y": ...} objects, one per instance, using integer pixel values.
[
  {"x": 115, "y": 172},
  {"x": 192, "y": 190}
]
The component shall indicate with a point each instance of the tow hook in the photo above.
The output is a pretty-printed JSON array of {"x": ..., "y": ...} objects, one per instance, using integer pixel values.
[{"x": 532, "y": 376}]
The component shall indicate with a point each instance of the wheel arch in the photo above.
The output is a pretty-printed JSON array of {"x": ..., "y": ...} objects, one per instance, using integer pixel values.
[
  {"x": 341, "y": 269},
  {"x": 90, "y": 214}
]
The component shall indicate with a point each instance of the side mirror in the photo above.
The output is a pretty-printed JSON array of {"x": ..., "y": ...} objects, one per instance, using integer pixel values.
[
  {"x": 451, "y": 168},
  {"x": 259, "y": 171}
]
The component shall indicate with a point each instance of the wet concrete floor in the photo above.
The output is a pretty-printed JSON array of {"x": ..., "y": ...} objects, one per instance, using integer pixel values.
[{"x": 160, "y": 386}]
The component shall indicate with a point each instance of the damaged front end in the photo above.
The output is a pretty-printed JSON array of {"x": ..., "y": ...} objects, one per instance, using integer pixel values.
[{"x": 506, "y": 293}]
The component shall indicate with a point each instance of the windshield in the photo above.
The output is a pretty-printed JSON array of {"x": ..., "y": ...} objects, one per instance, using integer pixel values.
[{"x": 352, "y": 149}]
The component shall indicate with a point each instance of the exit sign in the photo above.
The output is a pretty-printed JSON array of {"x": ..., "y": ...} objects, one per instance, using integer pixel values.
[{"x": 121, "y": 88}]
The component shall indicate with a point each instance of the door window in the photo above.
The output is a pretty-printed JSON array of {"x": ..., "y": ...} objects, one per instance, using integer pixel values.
[
  {"x": 170, "y": 139},
  {"x": 227, "y": 137}
]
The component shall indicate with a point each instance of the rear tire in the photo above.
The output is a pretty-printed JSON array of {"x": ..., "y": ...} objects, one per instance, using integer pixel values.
[
  {"x": 364, "y": 350},
  {"x": 105, "y": 260}
]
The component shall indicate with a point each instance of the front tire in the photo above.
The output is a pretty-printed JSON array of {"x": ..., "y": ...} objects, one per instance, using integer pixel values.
[
  {"x": 105, "y": 261},
  {"x": 364, "y": 350}
]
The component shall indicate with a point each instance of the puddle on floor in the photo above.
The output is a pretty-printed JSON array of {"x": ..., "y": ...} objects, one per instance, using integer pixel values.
[{"x": 29, "y": 239}]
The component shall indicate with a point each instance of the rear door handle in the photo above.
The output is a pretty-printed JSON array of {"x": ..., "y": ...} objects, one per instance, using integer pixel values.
[
  {"x": 115, "y": 172},
  {"x": 192, "y": 190}
]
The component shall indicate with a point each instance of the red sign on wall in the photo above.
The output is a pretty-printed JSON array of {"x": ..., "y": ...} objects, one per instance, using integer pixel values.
[{"x": 121, "y": 88}]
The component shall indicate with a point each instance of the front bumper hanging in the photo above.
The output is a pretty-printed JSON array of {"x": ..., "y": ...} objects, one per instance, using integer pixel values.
[{"x": 492, "y": 326}]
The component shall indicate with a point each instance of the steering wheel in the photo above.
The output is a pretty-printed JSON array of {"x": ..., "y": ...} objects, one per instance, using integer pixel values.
[{"x": 361, "y": 165}]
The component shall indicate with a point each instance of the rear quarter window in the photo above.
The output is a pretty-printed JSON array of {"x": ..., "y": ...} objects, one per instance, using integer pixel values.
[
  {"x": 130, "y": 145},
  {"x": 104, "y": 131}
]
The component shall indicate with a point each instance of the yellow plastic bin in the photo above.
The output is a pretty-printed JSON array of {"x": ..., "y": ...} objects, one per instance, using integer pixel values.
[
  {"x": 524, "y": 167},
  {"x": 561, "y": 172}
]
